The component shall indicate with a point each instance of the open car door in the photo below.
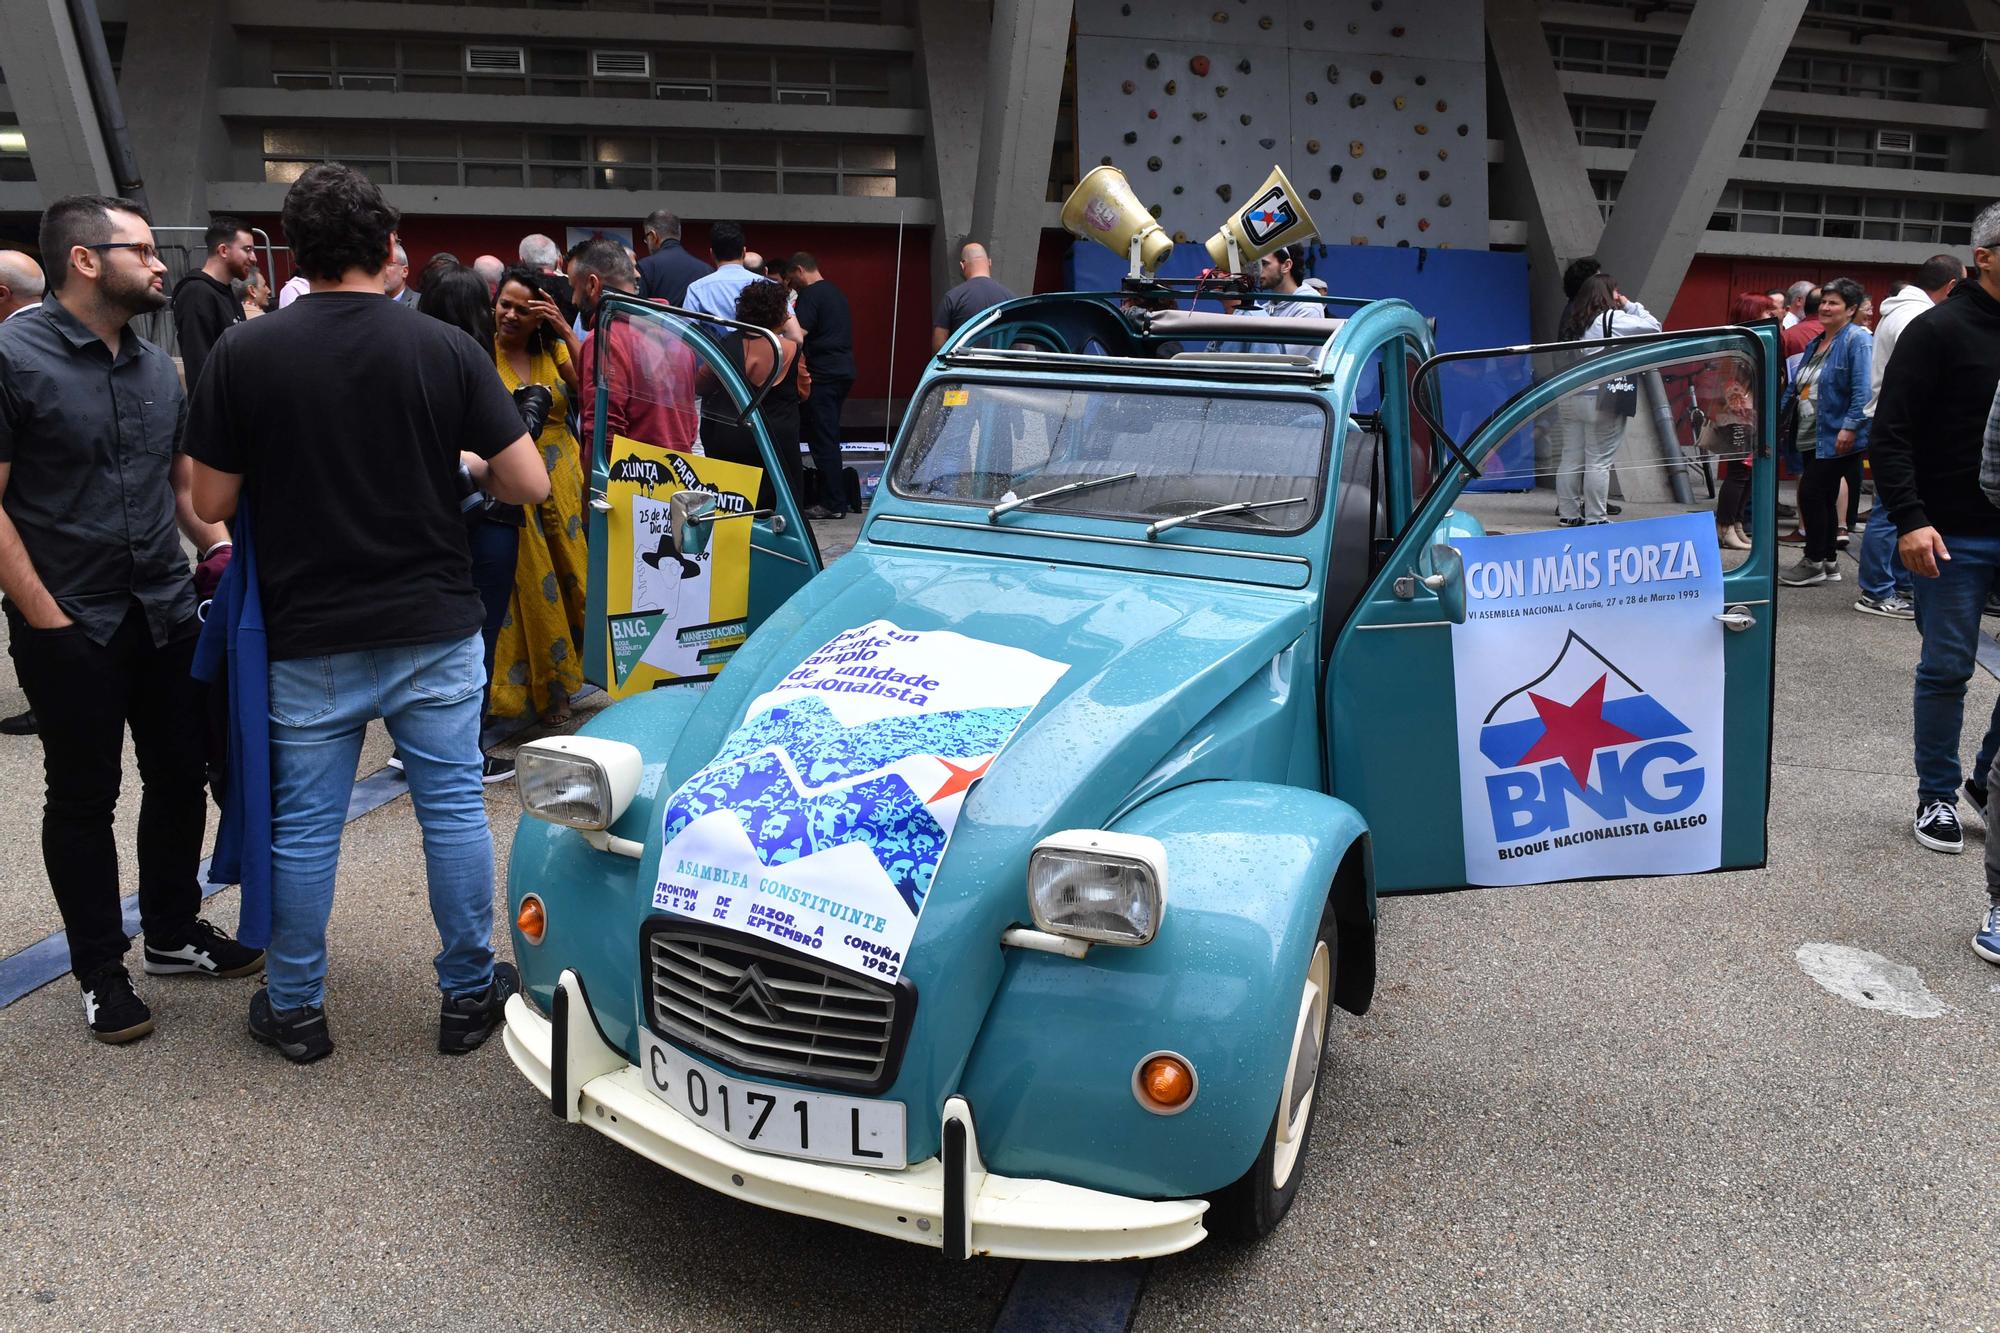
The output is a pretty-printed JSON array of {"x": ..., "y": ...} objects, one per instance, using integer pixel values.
[
  {"x": 677, "y": 585},
  {"x": 1584, "y": 691}
]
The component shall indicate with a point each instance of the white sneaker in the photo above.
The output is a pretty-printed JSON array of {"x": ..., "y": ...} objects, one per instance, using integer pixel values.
[{"x": 1891, "y": 607}]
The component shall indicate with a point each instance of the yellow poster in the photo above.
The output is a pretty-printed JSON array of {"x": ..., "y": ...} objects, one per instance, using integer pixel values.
[{"x": 672, "y": 616}]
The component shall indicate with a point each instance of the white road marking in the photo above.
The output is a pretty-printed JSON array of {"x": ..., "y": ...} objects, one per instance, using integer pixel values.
[{"x": 1870, "y": 980}]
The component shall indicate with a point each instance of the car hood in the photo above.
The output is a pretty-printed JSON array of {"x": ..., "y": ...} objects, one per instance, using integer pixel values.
[{"x": 1147, "y": 657}]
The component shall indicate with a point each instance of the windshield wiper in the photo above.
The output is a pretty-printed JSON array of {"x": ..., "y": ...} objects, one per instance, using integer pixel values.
[
  {"x": 1009, "y": 506},
  {"x": 1239, "y": 507}
]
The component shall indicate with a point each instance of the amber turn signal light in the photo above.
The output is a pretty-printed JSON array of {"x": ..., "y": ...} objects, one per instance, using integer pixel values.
[
  {"x": 532, "y": 921},
  {"x": 1164, "y": 1083}
]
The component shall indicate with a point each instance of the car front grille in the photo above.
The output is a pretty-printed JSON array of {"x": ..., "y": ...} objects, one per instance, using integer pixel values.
[{"x": 771, "y": 1011}]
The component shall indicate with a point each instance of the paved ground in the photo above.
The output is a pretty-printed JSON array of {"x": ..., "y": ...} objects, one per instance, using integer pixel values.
[{"x": 1592, "y": 1107}]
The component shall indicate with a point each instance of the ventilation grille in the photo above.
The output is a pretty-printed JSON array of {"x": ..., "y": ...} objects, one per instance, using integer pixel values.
[
  {"x": 620, "y": 65},
  {"x": 1895, "y": 141},
  {"x": 496, "y": 60}
]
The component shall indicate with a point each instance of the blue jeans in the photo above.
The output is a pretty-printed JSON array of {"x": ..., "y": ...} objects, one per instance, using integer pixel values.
[
  {"x": 1948, "y": 610},
  {"x": 1882, "y": 574},
  {"x": 431, "y": 695},
  {"x": 495, "y": 548}
]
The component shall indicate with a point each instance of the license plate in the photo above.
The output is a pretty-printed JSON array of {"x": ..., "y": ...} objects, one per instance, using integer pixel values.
[{"x": 817, "y": 1126}]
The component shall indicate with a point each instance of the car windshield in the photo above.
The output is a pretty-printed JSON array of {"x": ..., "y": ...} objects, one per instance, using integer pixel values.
[{"x": 1153, "y": 454}]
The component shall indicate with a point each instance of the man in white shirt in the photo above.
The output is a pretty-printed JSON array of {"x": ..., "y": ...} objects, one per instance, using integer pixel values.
[{"x": 715, "y": 293}]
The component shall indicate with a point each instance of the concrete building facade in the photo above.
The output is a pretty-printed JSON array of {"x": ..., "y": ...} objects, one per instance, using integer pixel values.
[{"x": 1703, "y": 147}]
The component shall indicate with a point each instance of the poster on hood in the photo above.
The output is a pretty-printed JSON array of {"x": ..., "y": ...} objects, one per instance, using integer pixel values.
[
  {"x": 820, "y": 823},
  {"x": 1588, "y": 676},
  {"x": 671, "y": 616}
]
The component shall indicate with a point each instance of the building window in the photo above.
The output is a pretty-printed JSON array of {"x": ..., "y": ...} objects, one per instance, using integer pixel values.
[
  {"x": 700, "y": 164},
  {"x": 1608, "y": 125},
  {"x": 1769, "y": 210},
  {"x": 676, "y": 74},
  {"x": 1776, "y": 139},
  {"x": 1597, "y": 53},
  {"x": 1883, "y": 79},
  {"x": 834, "y": 11}
]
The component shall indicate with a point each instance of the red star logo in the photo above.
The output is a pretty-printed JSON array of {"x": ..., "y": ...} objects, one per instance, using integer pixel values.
[
  {"x": 1575, "y": 732},
  {"x": 960, "y": 778},
  {"x": 1268, "y": 217}
]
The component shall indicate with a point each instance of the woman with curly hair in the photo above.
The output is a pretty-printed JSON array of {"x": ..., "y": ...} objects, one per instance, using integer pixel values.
[
  {"x": 538, "y": 662},
  {"x": 766, "y": 305}
]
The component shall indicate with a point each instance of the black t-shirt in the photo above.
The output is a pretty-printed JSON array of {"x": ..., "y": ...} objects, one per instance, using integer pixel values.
[
  {"x": 345, "y": 418},
  {"x": 968, "y": 299},
  {"x": 829, "y": 325}
]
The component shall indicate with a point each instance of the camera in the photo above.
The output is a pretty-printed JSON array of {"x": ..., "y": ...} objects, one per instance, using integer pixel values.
[{"x": 535, "y": 403}]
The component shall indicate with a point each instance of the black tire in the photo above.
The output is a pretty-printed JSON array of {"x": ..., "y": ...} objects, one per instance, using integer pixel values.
[{"x": 1253, "y": 1205}]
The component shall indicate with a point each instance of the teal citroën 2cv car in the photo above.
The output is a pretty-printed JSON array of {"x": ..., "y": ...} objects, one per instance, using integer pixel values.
[{"x": 996, "y": 893}]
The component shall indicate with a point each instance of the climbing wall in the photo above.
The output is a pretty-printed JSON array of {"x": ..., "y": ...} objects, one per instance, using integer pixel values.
[{"x": 1376, "y": 109}]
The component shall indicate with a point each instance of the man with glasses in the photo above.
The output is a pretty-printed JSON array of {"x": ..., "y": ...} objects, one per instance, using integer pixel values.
[
  {"x": 396, "y": 279},
  {"x": 100, "y": 602}
]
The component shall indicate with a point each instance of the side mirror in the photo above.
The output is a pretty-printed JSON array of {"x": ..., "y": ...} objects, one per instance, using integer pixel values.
[
  {"x": 1445, "y": 576},
  {"x": 690, "y": 520}
]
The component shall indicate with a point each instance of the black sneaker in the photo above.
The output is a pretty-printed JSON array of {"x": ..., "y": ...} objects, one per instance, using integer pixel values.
[
  {"x": 466, "y": 1021},
  {"x": 496, "y": 769},
  {"x": 21, "y": 724},
  {"x": 1975, "y": 791},
  {"x": 1938, "y": 828},
  {"x": 113, "y": 1009},
  {"x": 202, "y": 950},
  {"x": 300, "y": 1035}
]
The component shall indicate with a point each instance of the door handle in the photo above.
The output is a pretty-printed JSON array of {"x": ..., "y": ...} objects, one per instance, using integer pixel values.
[{"x": 1736, "y": 619}]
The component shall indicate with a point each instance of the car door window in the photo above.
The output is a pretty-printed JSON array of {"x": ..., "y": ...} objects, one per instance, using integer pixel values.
[{"x": 1670, "y": 436}]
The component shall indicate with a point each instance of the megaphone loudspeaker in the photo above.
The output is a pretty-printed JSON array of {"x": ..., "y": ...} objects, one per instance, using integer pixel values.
[
  {"x": 1274, "y": 217},
  {"x": 1102, "y": 208}
]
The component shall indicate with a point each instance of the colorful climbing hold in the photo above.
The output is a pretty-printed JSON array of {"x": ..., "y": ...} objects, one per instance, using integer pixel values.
[{"x": 1198, "y": 66}]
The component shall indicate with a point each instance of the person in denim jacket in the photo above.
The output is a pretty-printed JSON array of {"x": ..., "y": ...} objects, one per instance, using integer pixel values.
[{"x": 1834, "y": 377}]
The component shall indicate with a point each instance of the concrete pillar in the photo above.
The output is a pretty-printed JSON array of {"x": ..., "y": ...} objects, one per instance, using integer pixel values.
[
  {"x": 175, "y": 57},
  {"x": 52, "y": 99},
  {"x": 951, "y": 61},
  {"x": 1720, "y": 77},
  {"x": 1544, "y": 169},
  {"x": 1025, "y": 54}
]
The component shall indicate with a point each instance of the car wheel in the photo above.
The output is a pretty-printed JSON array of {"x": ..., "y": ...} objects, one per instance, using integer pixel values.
[{"x": 1252, "y": 1207}]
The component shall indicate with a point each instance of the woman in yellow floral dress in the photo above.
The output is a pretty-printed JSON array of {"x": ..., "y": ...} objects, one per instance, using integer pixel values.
[{"x": 538, "y": 661}]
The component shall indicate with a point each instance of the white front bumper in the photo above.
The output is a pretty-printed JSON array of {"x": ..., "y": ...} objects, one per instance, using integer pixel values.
[{"x": 994, "y": 1215}]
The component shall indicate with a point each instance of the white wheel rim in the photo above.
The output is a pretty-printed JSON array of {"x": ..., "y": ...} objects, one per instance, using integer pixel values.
[{"x": 1295, "y": 1104}]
